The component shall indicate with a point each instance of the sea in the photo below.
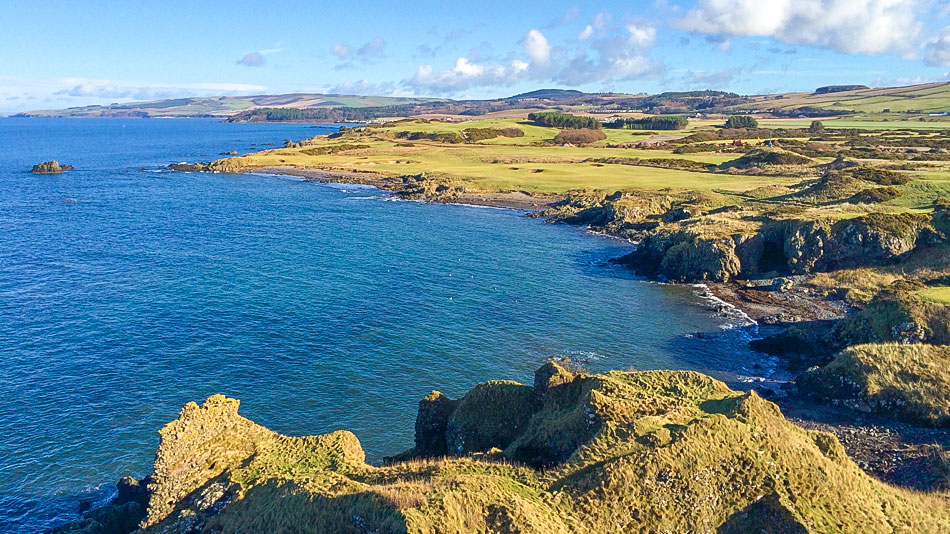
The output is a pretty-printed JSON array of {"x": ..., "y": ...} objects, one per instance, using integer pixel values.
[{"x": 128, "y": 290}]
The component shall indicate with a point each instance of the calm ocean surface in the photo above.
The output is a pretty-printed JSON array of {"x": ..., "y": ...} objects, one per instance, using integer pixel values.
[{"x": 125, "y": 294}]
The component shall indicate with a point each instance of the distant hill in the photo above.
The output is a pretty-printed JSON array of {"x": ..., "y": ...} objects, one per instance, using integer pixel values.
[
  {"x": 913, "y": 99},
  {"x": 313, "y": 107},
  {"x": 549, "y": 94},
  {"x": 224, "y": 106}
]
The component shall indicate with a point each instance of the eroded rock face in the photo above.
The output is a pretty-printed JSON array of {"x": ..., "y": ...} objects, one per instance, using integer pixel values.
[
  {"x": 198, "y": 446},
  {"x": 789, "y": 247},
  {"x": 550, "y": 375},
  {"x": 872, "y": 240},
  {"x": 431, "y": 421},
  {"x": 50, "y": 167},
  {"x": 489, "y": 416},
  {"x": 701, "y": 260},
  {"x": 685, "y": 257}
]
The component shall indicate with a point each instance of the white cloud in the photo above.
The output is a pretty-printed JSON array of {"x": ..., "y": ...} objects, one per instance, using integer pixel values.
[
  {"x": 125, "y": 90},
  {"x": 641, "y": 36},
  {"x": 537, "y": 48},
  {"x": 374, "y": 48},
  {"x": 937, "y": 50},
  {"x": 365, "y": 88},
  {"x": 601, "y": 20},
  {"x": 463, "y": 67},
  {"x": 256, "y": 58},
  {"x": 26, "y": 94},
  {"x": 611, "y": 53},
  {"x": 341, "y": 50},
  {"x": 466, "y": 74},
  {"x": 848, "y": 26}
]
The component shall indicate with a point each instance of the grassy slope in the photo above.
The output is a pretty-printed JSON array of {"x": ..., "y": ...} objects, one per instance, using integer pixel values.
[
  {"x": 926, "y": 98},
  {"x": 938, "y": 295},
  {"x": 909, "y": 381},
  {"x": 655, "y": 451}
]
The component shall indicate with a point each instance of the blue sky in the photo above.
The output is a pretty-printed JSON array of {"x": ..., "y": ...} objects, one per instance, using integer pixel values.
[{"x": 58, "y": 54}]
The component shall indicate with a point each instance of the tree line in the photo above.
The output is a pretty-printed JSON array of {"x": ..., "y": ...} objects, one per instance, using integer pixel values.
[
  {"x": 556, "y": 119},
  {"x": 661, "y": 122}
]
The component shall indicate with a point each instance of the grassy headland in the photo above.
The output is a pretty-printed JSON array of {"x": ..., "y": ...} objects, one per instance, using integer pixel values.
[{"x": 657, "y": 451}]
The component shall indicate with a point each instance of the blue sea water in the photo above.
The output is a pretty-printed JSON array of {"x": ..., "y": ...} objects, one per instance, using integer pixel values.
[{"x": 127, "y": 291}]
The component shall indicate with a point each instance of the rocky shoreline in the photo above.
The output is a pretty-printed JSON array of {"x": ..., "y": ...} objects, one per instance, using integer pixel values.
[{"x": 756, "y": 299}]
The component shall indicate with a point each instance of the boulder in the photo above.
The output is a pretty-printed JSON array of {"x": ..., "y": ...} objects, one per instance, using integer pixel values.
[{"x": 676, "y": 214}]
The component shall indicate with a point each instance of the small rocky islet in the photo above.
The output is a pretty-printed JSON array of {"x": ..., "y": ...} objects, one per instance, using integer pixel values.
[
  {"x": 636, "y": 451},
  {"x": 50, "y": 167}
]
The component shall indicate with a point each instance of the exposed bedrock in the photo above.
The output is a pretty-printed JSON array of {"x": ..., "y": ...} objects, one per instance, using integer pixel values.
[{"x": 782, "y": 247}]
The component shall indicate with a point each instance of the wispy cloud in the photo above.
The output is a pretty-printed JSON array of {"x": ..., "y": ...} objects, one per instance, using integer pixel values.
[
  {"x": 252, "y": 59},
  {"x": 119, "y": 90},
  {"x": 256, "y": 58},
  {"x": 373, "y": 50},
  {"x": 568, "y": 17}
]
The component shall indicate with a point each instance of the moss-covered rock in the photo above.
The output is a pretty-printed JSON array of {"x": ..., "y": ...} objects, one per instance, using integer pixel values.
[
  {"x": 685, "y": 257},
  {"x": 910, "y": 382},
  {"x": 897, "y": 314},
  {"x": 489, "y": 416}
]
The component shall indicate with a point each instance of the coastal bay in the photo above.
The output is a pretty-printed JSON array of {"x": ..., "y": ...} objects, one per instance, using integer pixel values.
[{"x": 319, "y": 306}]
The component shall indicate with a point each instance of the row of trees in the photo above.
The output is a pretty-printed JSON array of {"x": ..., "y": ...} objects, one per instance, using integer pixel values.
[
  {"x": 660, "y": 122},
  {"x": 556, "y": 119}
]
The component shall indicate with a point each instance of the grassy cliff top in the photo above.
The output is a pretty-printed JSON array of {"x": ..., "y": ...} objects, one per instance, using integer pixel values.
[{"x": 657, "y": 451}]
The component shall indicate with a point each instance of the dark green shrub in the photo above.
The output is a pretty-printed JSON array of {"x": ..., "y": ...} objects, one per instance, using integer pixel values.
[
  {"x": 742, "y": 121},
  {"x": 584, "y": 136}
]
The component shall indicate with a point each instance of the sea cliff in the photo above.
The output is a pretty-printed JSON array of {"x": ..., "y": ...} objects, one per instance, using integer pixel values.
[{"x": 653, "y": 451}]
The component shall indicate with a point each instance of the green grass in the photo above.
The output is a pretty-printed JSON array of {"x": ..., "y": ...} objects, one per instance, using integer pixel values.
[
  {"x": 938, "y": 295},
  {"x": 509, "y": 164}
]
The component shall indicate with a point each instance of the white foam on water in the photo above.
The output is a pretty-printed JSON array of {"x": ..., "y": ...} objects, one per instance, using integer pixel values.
[{"x": 739, "y": 318}]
